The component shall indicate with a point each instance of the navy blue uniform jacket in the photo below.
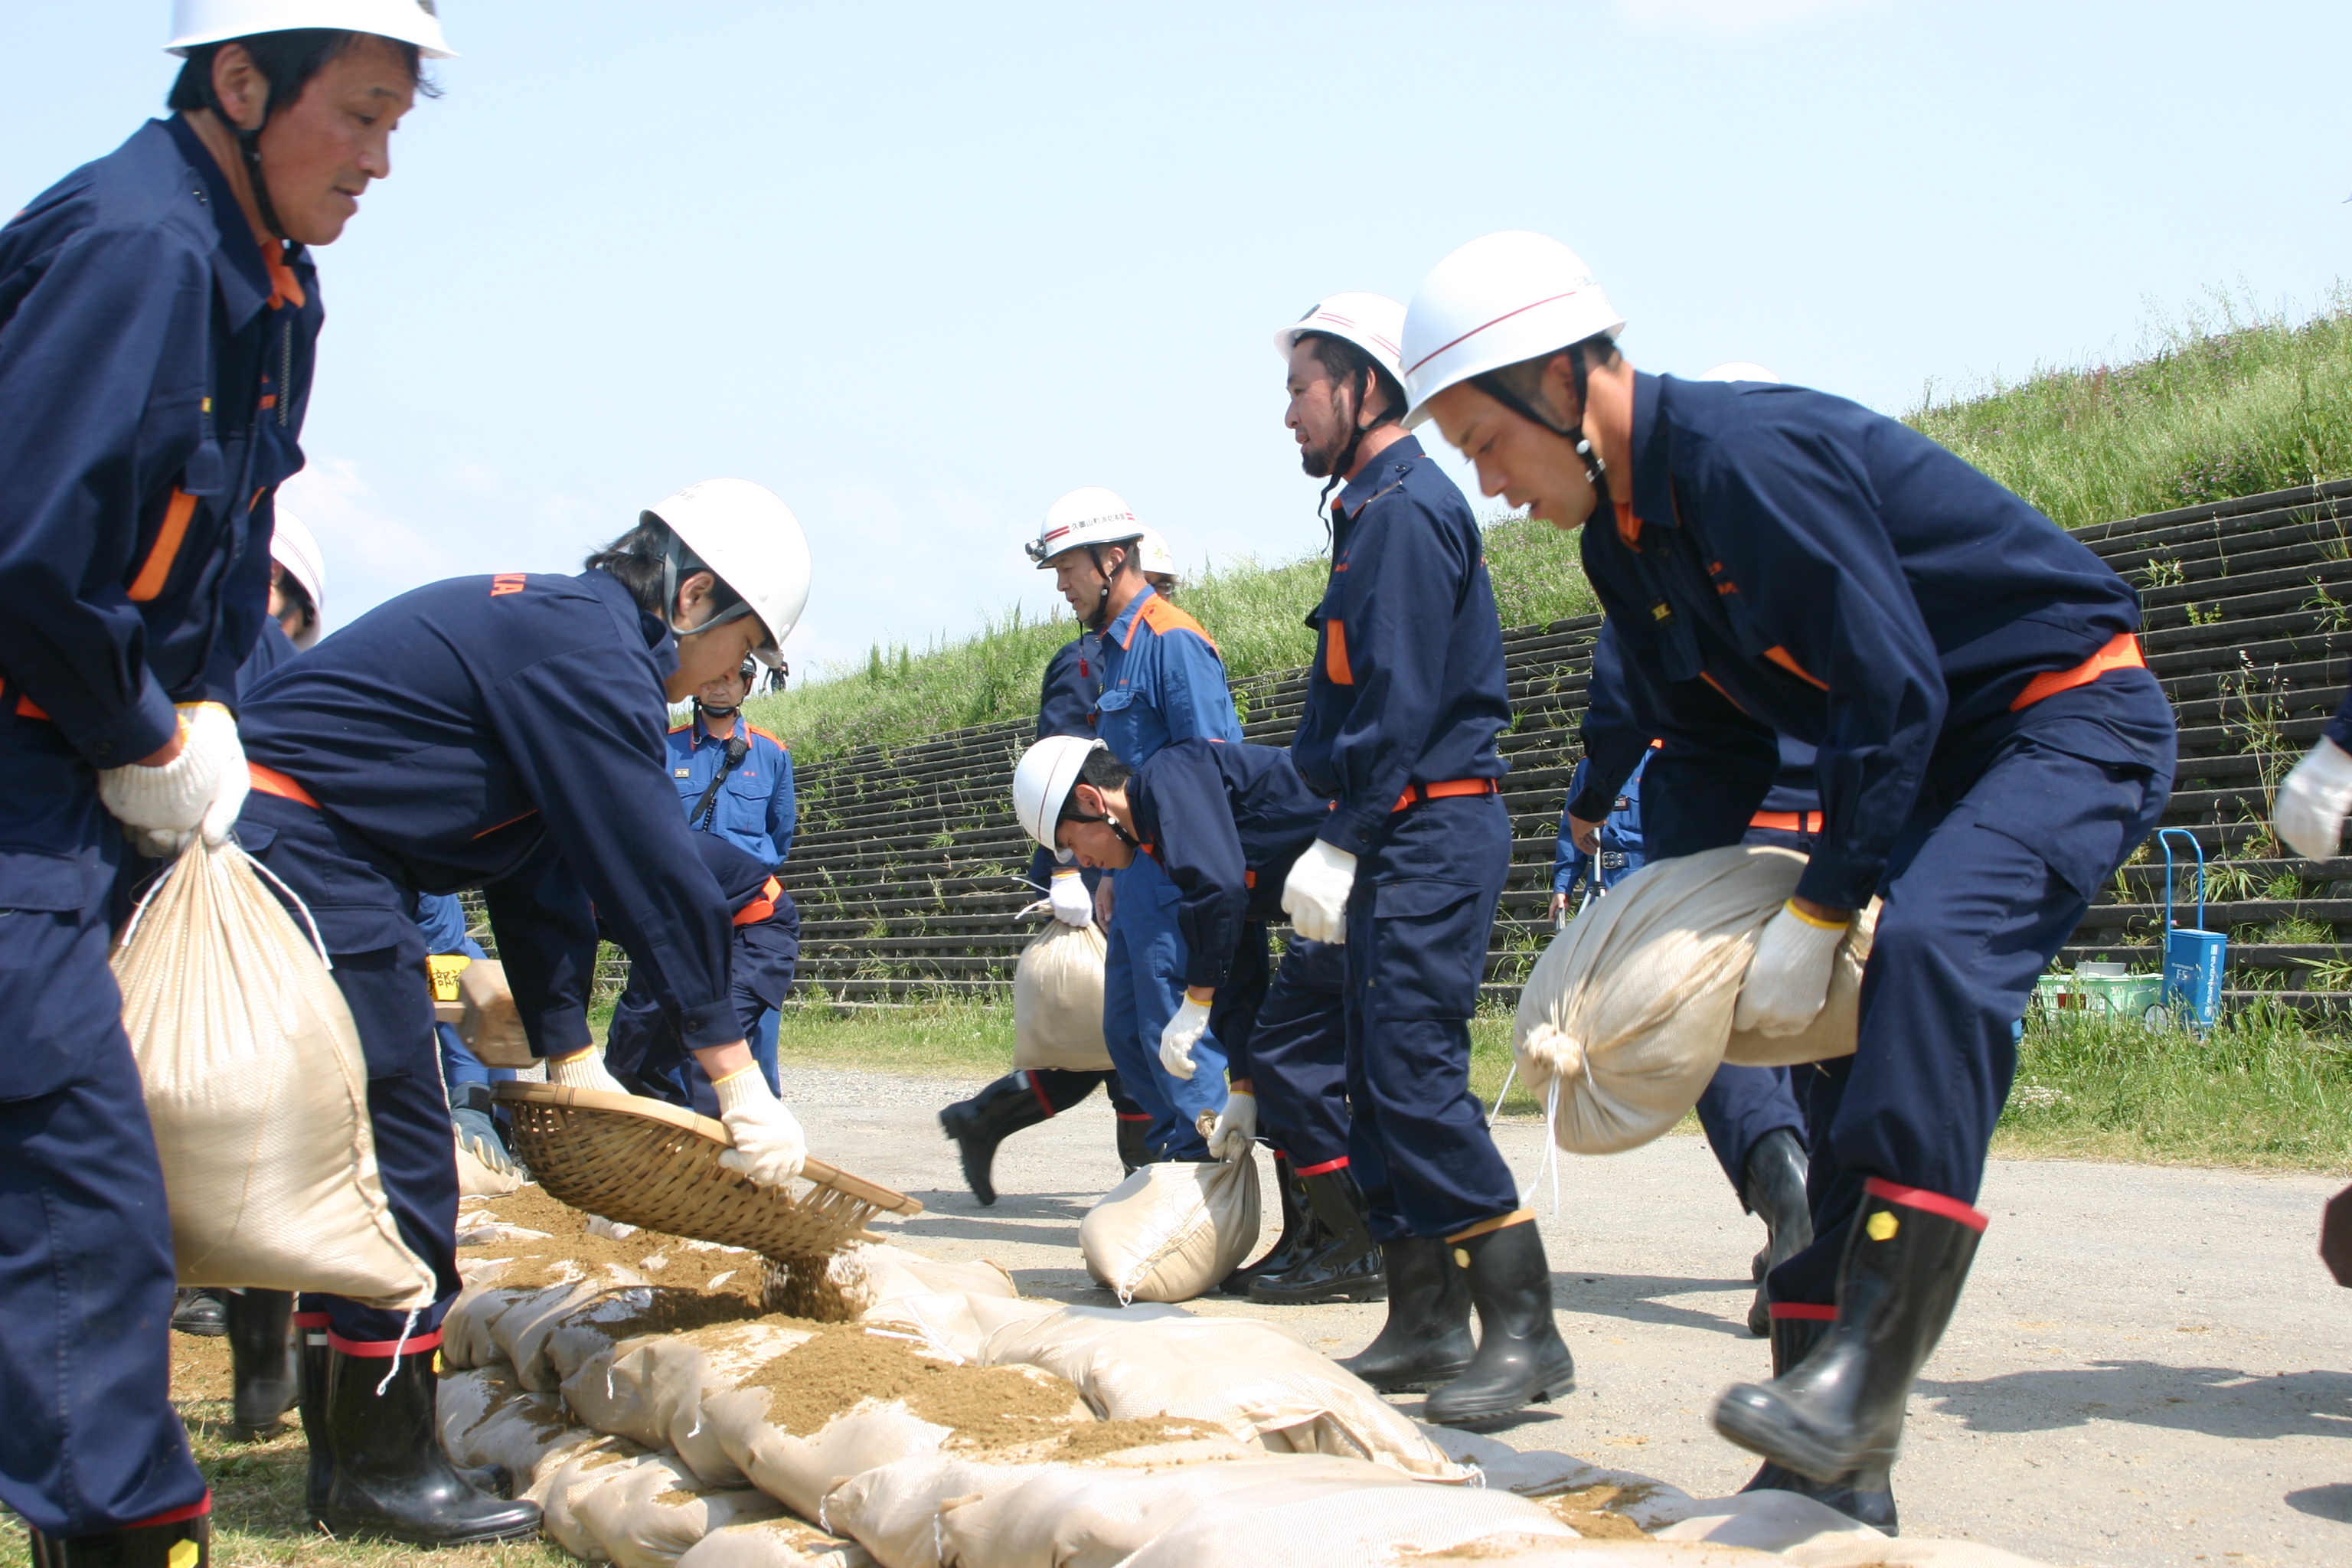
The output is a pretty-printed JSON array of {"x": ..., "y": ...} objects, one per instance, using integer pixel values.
[
  {"x": 154, "y": 393},
  {"x": 1790, "y": 562},
  {"x": 464, "y": 727},
  {"x": 1407, "y": 685},
  {"x": 1065, "y": 706},
  {"x": 1615, "y": 743},
  {"x": 1226, "y": 821}
]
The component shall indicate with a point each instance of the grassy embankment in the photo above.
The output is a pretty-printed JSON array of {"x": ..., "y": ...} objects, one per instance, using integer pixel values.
[{"x": 2221, "y": 405}]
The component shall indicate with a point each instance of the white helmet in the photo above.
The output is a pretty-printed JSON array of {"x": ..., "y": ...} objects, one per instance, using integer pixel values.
[
  {"x": 1739, "y": 370},
  {"x": 1088, "y": 515},
  {"x": 200, "y": 22},
  {"x": 1043, "y": 779},
  {"x": 292, "y": 546},
  {"x": 1373, "y": 323},
  {"x": 1152, "y": 557},
  {"x": 1496, "y": 301},
  {"x": 747, "y": 537}
]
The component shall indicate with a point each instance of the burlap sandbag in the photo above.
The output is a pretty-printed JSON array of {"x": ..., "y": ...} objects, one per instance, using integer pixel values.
[
  {"x": 893, "y": 1510},
  {"x": 1057, "y": 1000},
  {"x": 651, "y": 1389},
  {"x": 1298, "y": 1521},
  {"x": 1172, "y": 1231},
  {"x": 1256, "y": 1380},
  {"x": 1637, "y": 995},
  {"x": 647, "y": 1515},
  {"x": 257, "y": 1093},
  {"x": 775, "y": 1543}
]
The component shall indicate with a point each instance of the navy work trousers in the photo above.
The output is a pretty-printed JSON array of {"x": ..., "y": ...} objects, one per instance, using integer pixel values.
[
  {"x": 1418, "y": 925},
  {"x": 1298, "y": 1057},
  {"x": 1143, "y": 985},
  {"x": 355, "y": 899},
  {"x": 1992, "y": 873},
  {"x": 1742, "y": 1107},
  {"x": 644, "y": 1049},
  {"x": 91, "y": 1442}
]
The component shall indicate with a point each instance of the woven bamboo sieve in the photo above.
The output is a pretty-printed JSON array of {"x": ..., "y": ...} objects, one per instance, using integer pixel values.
[{"x": 643, "y": 1163}]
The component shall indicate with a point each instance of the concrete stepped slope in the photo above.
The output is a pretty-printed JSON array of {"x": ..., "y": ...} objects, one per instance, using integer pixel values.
[{"x": 908, "y": 867}]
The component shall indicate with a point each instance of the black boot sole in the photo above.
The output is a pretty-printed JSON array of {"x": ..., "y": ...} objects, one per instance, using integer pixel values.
[
  {"x": 1874, "y": 1507},
  {"x": 1422, "y": 1380},
  {"x": 1754, "y": 1417},
  {"x": 238, "y": 1432},
  {"x": 1345, "y": 1291},
  {"x": 984, "y": 1192},
  {"x": 371, "y": 1531}
]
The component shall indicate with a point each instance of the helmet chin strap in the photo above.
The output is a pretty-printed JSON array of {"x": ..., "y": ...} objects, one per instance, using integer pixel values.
[
  {"x": 249, "y": 146},
  {"x": 1347, "y": 457},
  {"x": 1596, "y": 472}
]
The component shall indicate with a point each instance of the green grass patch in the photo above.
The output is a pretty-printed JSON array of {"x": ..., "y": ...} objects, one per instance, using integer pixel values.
[{"x": 2265, "y": 1090}]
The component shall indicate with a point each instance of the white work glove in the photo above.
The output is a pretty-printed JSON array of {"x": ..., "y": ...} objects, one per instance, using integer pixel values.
[
  {"x": 1315, "y": 894},
  {"x": 1073, "y": 905},
  {"x": 201, "y": 790},
  {"x": 584, "y": 1069},
  {"x": 769, "y": 1146},
  {"x": 2313, "y": 802},
  {"x": 1788, "y": 978},
  {"x": 1183, "y": 1032},
  {"x": 1235, "y": 1129}
]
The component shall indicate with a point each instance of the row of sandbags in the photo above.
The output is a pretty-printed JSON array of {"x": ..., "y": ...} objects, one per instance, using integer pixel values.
[{"x": 1175, "y": 1439}]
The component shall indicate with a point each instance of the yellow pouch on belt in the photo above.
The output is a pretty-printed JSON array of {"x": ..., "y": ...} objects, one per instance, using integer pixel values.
[{"x": 444, "y": 968}]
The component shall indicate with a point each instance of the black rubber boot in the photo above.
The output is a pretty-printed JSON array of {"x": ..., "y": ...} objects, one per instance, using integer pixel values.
[
  {"x": 1866, "y": 1496},
  {"x": 1346, "y": 1267},
  {"x": 1521, "y": 1358},
  {"x": 1775, "y": 1194},
  {"x": 1293, "y": 1247},
  {"x": 312, "y": 1360},
  {"x": 979, "y": 1125},
  {"x": 261, "y": 1353},
  {"x": 199, "y": 1312},
  {"x": 136, "y": 1546},
  {"x": 1134, "y": 1143},
  {"x": 392, "y": 1481},
  {"x": 1426, "y": 1341},
  {"x": 1906, "y": 1257}
]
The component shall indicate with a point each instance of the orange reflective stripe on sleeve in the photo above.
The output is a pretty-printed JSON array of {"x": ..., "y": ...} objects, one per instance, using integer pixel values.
[
  {"x": 1335, "y": 654},
  {"x": 2121, "y": 652},
  {"x": 157, "y": 568},
  {"x": 762, "y": 908}
]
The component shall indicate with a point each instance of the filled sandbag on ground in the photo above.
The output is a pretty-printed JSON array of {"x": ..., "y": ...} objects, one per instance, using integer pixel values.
[
  {"x": 785, "y": 1542},
  {"x": 1172, "y": 1231},
  {"x": 1256, "y": 1382},
  {"x": 484, "y": 1417},
  {"x": 1320, "y": 1522},
  {"x": 1628, "y": 1013},
  {"x": 1769, "y": 1522},
  {"x": 1095, "y": 1516},
  {"x": 1057, "y": 1000},
  {"x": 895, "y": 1512},
  {"x": 256, "y": 1090},
  {"x": 650, "y": 1389},
  {"x": 1648, "y": 1503},
  {"x": 647, "y": 1515},
  {"x": 1906, "y": 1554}
]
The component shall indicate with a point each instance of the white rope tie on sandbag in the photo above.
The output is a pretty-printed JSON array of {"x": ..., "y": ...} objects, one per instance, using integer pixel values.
[
  {"x": 1551, "y": 1145},
  {"x": 141, "y": 912},
  {"x": 1507, "y": 1077},
  {"x": 293, "y": 898},
  {"x": 406, "y": 1329}
]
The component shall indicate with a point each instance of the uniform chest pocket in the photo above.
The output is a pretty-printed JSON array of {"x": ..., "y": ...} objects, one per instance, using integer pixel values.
[
  {"x": 1116, "y": 700},
  {"x": 749, "y": 784}
]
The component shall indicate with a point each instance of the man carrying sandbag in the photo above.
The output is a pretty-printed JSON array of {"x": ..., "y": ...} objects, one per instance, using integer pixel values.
[
  {"x": 1225, "y": 822},
  {"x": 1404, "y": 701},
  {"x": 158, "y": 310},
  {"x": 1028, "y": 1096},
  {"x": 1163, "y": 681},
  {"x": 506, "y": 732},
  {"x": 1991, "y": 748}
]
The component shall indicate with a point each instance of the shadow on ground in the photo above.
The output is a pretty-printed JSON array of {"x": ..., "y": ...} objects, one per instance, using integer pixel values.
[{"x": 2217, "y": 1402}]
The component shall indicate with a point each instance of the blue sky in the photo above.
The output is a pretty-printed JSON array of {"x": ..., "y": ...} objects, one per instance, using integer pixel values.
[{"x": 922, "y": 267}]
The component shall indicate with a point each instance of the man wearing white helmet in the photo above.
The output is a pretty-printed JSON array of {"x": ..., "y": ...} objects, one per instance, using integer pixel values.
[
  {"x": 1990, "y": 747},
  {"x": 1163, "y": 681},
  {"x": 506, "y": 732},
  {"x": 1404, "y": 702},
  {"x": 157, "y": 311}
]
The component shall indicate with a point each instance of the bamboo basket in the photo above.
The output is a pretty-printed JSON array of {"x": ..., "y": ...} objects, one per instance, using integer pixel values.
[{"x": 648, "y": 1163}]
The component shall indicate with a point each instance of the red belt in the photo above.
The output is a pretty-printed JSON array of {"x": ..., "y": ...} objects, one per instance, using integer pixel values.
[
  {"x": 762, "y": 908},
  {"x": 1415, "y": 794},
  {"x": 2121, "y": 652},
  {"x": 269, "y": 781},
  {"x": 1787, "y": 821}
]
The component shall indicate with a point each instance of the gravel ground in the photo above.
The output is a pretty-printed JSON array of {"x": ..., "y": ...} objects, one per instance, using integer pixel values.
[{"x": 2144, "y": 1370}]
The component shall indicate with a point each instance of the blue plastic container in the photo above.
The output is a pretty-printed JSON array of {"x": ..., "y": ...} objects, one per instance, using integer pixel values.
[{"x": 2193, "y": 957}]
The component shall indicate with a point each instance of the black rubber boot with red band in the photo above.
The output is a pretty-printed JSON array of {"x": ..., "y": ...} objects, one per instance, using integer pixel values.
[
  {"x": 1841, "y": 1411},
  {"x": 1866, "y": 1496},
  {"x": 392, "y": 1480},
  {"x": 1297, "y": 1241},
  {"x": 1425, "y": 1343},
  {"x": 1521, "y": 1358},
  {"x": 979, "y": 1125},
  {"x": 1775, "y": 1194},
  {"x": 181, "y": 1538},
  {"x": 1345, "y": 1263},
  {"x": 261, "y": 1358},
  {"x": 311, "y": 1361}
]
